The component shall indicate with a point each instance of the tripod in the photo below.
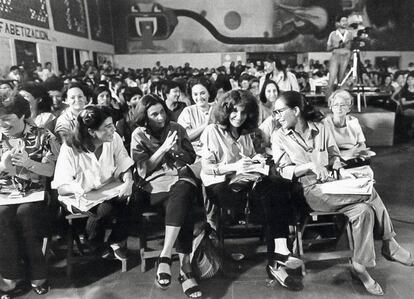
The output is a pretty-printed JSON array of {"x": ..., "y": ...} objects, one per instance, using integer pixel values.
[{"x": 356, "y": 78}]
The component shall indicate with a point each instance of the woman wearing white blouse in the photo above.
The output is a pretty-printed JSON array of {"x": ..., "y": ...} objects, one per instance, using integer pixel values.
[
  {"x": 94, "y": 156},
  {"x": 345, "y": 128},
  {"x": 194, "y": 119}
]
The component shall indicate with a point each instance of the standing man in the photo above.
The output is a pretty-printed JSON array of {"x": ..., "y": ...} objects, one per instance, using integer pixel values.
[{"x": 339, "y": 42}]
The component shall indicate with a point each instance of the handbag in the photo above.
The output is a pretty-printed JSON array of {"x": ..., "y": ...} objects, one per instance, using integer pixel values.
[
  {"x": 243, "y": 181},
  {"x": 206, "y": 259}
]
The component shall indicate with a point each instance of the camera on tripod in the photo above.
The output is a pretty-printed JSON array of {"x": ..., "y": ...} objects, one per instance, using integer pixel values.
[{"x": 359, "y": 32}]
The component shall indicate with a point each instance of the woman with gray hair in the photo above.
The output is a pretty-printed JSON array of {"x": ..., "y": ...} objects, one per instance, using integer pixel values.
[{"x": 345, "y": 128}]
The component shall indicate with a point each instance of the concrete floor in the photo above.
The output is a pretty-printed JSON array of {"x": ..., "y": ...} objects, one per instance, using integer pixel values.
[{"x": 394, "y": 170}]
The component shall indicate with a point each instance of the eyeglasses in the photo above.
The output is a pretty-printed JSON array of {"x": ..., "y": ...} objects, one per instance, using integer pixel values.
[
  {"x": 340, "y": 106},
  {"x": 280, "y": 111}
]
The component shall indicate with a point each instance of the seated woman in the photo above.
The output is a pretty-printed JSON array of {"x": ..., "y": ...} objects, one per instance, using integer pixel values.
[
  {"x": 346, "y": 130},
  {"x": 40, "y": 104},
  {"x": 28, "y": 156},
  {"x": 160, "y": 148},
  {"x": 268, "y": 96},
  {"x": 92, "y": 157},
  {"x": 302, "y": 150},
  {"x": 171, "y": 93},
  {"x": 75, "y": 98},
  {"x": 228, "y": 149},
  {"x": 102, "y": 97},
  {"x": 194, "y": 119}
]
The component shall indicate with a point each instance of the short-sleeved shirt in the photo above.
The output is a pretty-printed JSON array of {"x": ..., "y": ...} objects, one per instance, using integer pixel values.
[
  {"x": 144, "y": 144},
  {"x": 41, "y": 145},
  {"x": 88, "y": 172},
  {"x": 290, "y": 149},
  {"x": 334, "y": 39},
  {"x": 348, "y": 136},
  {"x": 219, "y": 147},
  {"x": 285, "y": 83},
  {"x": 174, "y": 114},
  {"x": 192, "y": 118},
  {"x": 267, "y": 128},
  {"x": 65, "y": 123}
]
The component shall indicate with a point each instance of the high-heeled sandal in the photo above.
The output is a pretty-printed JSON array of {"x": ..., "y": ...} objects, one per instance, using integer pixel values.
[
  {"x": 374, "y": 289},
  {"x": 189, "y": 285},
  {"x": 163, "y": 275},
  {"x": 41, "y": 289}
]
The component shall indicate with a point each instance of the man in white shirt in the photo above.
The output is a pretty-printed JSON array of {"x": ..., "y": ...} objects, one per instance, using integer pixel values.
[{"x": 339, "y": 42}]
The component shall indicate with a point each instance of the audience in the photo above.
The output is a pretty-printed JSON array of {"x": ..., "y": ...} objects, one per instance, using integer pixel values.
[{"x": 185, "y": 127}]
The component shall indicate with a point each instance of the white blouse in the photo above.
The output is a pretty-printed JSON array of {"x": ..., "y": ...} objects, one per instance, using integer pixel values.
[
  {"x": 192, "y": 118},
  {"x": 86, "y": 171}
]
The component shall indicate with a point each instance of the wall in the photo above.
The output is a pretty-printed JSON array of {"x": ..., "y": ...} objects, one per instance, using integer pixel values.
[
  {"x": 195, "y": 59},
  {"x": 46, "y": 39}
]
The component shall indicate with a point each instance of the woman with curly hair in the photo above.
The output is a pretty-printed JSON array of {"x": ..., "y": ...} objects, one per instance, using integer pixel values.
[
  {"x": 228, "y": 149},
  {"x": 194, "y": 118}
]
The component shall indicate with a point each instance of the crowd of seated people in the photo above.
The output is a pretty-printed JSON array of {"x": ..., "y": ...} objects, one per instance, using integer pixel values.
[{"x": 161, "y": 135}]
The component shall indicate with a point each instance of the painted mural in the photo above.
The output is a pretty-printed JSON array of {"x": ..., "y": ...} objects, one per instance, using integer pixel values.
[{"x": 146, "y": 26}]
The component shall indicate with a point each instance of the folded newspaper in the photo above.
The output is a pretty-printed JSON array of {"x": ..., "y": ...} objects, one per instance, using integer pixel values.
[{"x": 94, "y": 197}]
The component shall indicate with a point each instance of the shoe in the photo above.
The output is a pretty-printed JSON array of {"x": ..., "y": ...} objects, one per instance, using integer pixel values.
[
  {"x": 120, "y": 254},
  {"x": 398, "y": 255},
  {"x": 42, "y": 289},
  {"x": 163, "y": 275},
  {"x": 107, "y": 252},
  {"x": 288, "y": 282},
  {"x": 288, "y": 260},
  {"x": 20, "y": 289},
  {"x": 189, "y": 285},
  {"x": 374, "y": 289}
]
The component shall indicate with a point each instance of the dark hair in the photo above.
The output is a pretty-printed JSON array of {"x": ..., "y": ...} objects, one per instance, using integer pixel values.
[
  {"x": 13, "y": 68},
  {"x": 39, "y": 92},
  {"x": 97, "y": 91},
  {"x": 226, "y": 105},
  {"x": 86, "y": 91},
  {"x": 204, "y": 82},
  {"x": 278, "y": 64},
  {"x": 223, "y": 81},
  {"x": 263, "y": 90},
  {"x": 166, "y": 87},
  {"x": 91, "y": 117},
  {"x": 130, "y": 92},
  {"x": 15, "y": 103},
  {"x": 294, "y": 99},
  {"x": 141, "y": 117},
  {"x": 53, "y": 83},
  {"x": 340, "y": 16}
]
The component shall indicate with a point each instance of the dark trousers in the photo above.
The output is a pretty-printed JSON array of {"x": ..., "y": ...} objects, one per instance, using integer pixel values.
[
  {"x": 101, "y": 217},
  {"x": 272, "y": 195},
  {"x": 22, "y": 228},
  {"x": 178, "y": 205}
]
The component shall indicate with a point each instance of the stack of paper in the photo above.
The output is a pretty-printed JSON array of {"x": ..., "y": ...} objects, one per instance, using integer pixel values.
[
  {"x": 94, "y": 197},
  {"x": 18, "y": 198},
  {"x": 358, "y": 186}
]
